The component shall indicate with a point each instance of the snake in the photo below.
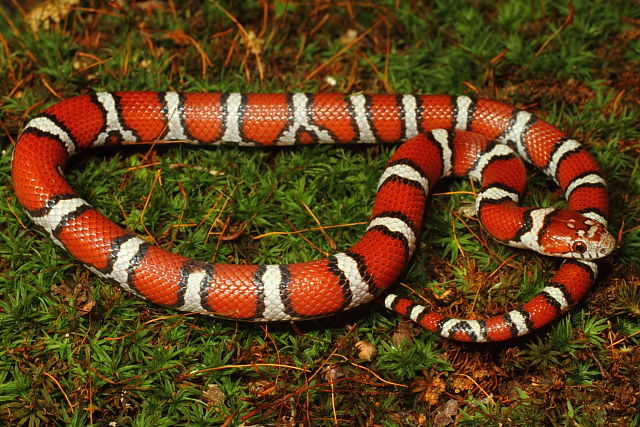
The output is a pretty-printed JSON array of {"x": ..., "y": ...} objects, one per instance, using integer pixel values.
[{"x": 440, "y": 135}]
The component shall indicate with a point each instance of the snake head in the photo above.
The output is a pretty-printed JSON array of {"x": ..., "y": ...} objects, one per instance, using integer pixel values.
[{"x": 569, "y": 234}]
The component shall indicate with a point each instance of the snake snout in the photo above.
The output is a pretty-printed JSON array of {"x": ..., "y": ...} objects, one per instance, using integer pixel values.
[{"x": 607, "y": 245}]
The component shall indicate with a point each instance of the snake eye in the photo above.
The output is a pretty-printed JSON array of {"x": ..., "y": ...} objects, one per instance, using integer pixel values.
[{"x": 579, "y": 247}]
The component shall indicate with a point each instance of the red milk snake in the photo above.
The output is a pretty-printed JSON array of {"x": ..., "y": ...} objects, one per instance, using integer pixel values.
[{"x": 446, "y": 135}]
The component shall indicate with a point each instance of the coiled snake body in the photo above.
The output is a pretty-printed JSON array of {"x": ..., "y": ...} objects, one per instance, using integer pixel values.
[{"x": 445, "y": 135}]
